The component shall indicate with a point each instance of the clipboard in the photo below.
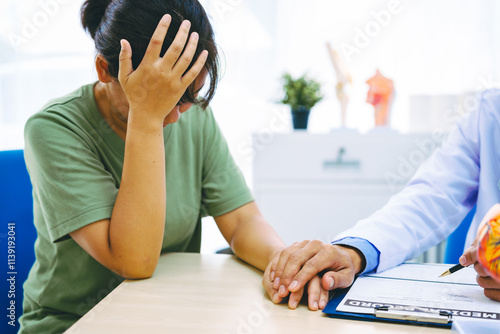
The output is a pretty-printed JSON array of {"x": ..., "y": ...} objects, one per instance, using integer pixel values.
[{"x": 382, "y": 314}]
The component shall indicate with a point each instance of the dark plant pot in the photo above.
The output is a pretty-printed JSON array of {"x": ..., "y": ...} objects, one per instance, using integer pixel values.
[{"x": 300, "y": 117}]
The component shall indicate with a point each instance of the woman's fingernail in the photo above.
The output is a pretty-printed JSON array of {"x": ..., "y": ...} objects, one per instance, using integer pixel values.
[
  {"x": 315, "y": 305},
  {"x": 293, "y": 285},
  {"x": 272, "y": 275},
  {"x": 282, "y": 290},
  {"x": 276, "y": 284},
  {"x": 331, "y": 281},
  {"x": 322, "y": 304},
  {"x": 294, "y": 304},
  {"x": 462, "y": 260},
  {"x": 276, "y": 298}
]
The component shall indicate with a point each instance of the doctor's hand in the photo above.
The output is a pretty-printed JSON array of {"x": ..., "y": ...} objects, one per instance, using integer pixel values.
[
  {"x": 293, "y": 267},
  {"x": 473, "y": 255},
  {"x": 490, "y": 286},
  {"x": 317, "y": 296}
]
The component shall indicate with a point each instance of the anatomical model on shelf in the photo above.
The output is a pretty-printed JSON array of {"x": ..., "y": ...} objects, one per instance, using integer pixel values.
[
  {"x": 343, "y": 80},
  {"x": 380, "y": 95}
]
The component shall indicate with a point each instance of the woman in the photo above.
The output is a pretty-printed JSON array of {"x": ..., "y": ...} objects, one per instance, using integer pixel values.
[{"x": 122, "y": 172}]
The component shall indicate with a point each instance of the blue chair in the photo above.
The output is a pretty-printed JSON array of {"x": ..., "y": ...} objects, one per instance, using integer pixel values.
[
  {"x": 456, "y": 241},
  {"x": 16, "y": 221}
]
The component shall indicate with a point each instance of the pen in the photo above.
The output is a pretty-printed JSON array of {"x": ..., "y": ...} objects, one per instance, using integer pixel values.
[{"x": 452, "y": 270}]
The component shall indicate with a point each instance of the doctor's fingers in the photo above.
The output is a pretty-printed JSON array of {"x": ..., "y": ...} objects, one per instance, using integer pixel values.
[
  {"x": 487, "y": 282},
  {"x": 469, "y": 257},
  {"x": 338, "y": 279},
  {"x": 340, "y": 274},
  {"x": 283, "y": 258},
  {"x": 480, "y": 270},
  {"x": 492, "y": 294},
  {"x": 306, "y": 263},
  {"x": 490, "y": 286}
]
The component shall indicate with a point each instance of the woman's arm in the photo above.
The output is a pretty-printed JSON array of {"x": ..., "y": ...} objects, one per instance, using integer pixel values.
[
  {"x": 250, "y": 236},
  {"x": 254, "y": 241},
  {"x": 130, "y": 242}
]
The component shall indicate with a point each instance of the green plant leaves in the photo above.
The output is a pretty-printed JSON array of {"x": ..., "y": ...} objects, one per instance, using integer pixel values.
[{"x": 302, "y": 92}]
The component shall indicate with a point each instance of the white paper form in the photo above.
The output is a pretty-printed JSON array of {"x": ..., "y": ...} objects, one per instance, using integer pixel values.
[{"x": 419, "y": 285}]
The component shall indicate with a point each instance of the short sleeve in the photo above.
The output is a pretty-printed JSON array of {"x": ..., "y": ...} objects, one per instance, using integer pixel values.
[
  {"x": 71, "y": 186},
  {"x": 224, "y": 187}
]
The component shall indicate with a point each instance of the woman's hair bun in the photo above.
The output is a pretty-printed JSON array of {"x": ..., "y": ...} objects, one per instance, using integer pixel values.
[{"x": 92, "y": 13}]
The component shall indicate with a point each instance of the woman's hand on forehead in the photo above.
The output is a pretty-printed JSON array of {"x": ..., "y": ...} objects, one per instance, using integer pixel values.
[{"x": 158, "y": 83}]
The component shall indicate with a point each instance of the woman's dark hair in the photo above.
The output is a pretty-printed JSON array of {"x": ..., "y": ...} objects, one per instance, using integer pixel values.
[{"x": 109, "y": 21}]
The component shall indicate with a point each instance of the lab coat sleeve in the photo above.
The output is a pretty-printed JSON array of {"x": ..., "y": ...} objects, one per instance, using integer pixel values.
[
  {"x": 369, "y": 251},
  {"x": 434, "y": 202}
]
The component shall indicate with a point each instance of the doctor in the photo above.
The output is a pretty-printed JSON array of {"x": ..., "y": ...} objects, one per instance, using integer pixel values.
[{"x": 464, "y": 172}]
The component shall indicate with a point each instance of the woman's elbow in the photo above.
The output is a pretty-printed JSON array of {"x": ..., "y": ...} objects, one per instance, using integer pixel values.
[{"x": 137, "y": 268}]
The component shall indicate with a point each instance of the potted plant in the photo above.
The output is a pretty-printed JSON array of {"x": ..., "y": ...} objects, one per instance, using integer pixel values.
[{"x": 301, "y": 95}]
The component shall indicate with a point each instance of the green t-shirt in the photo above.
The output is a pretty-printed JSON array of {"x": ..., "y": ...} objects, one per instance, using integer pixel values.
[{"x": 75, "y": 163}]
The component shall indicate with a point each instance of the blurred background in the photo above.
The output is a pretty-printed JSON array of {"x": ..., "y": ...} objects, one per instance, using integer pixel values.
[{"x": 437, "y": 52}]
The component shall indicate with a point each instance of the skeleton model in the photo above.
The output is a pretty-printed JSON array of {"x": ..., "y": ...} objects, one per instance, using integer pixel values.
[{"x": 343, "y": 79}]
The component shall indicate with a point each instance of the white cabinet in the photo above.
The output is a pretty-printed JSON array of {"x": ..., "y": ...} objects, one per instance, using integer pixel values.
[{"x": 313, "y": 186}]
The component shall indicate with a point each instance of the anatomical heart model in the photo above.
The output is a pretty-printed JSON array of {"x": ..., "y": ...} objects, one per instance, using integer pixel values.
[
  {"x": 380, "y": 95},
  {"x": 489, "y": 248}
]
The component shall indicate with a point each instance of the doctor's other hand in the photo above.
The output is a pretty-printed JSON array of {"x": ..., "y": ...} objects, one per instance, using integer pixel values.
[
  {"x": 293, "y": 267},
  {"x": 490, "y": 286},
  {"x": 477, "y": 255}
]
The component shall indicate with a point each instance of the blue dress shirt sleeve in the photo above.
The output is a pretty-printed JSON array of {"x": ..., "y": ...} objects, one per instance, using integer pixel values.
[{"x": 370, "y": 252}]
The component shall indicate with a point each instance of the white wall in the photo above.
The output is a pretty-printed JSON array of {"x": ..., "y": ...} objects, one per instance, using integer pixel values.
[
  {"x": 429, "y": 47},
  {"x": 44, "y": 53}
]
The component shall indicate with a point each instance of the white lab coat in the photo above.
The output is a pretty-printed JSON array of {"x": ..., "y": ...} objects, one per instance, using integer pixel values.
[{"x": 463, "y": 172}]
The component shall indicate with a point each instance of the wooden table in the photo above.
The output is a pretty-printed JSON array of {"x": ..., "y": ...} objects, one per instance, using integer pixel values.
[{"x": 193, "y": 293}]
